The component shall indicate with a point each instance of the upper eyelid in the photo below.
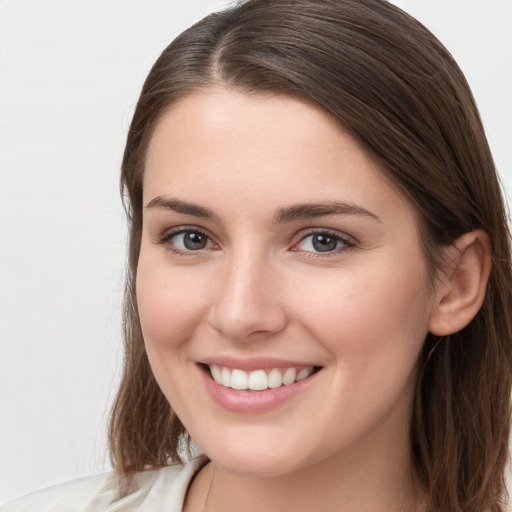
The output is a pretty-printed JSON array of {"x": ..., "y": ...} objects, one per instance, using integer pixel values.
[
  {"x": 165, "y": 240},
  {"x": 349, "y": 243},
  {"x": 332, "y": 232},
  {"x": 183, "y": 229},
  {"x": 169, "y": 233}
]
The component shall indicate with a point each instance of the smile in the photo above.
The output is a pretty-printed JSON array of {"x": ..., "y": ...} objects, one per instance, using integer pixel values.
[{"x": 258, "y": 380}]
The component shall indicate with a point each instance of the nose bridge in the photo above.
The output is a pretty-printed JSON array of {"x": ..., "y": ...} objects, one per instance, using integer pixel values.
[{"x": 247, "y": 300}]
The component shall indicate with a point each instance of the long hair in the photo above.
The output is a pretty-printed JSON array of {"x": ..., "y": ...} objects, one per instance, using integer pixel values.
[{"x": 394, "y": 88}]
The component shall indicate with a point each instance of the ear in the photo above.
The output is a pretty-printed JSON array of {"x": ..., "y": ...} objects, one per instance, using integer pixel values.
[{"x": 460, "y": 289}]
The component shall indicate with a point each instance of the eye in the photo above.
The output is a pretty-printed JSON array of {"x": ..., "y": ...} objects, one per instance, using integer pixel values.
[
  {"x": 187, "y": 240},
  {"x": 324, "y": 242}
]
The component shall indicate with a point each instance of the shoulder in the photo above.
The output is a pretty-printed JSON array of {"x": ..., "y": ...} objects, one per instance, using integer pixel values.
[
  {"x": 68, "y": 494},
  {"x": 148, "y": 491}
]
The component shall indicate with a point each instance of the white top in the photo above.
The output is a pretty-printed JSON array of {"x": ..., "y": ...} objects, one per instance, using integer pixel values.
[{"x": 161, "y": 490}]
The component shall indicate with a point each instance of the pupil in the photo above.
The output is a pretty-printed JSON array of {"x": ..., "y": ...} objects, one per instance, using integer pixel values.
[
  {"x": 323, "y": 243},
  {"x": 194, "y": 241}
]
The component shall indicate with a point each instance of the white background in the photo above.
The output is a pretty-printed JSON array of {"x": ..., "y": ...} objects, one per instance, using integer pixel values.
[{"x": 70, "y": 74}]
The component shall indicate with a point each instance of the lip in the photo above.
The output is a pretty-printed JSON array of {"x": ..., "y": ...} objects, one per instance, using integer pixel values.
[{"x": 253, "y": 402}]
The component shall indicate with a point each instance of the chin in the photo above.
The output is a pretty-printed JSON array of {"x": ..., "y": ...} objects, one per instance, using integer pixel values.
[{"x": 261, "y": 460}]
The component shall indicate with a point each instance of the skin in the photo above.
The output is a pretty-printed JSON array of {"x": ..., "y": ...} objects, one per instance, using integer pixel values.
[{"x": 259, "y": 288}]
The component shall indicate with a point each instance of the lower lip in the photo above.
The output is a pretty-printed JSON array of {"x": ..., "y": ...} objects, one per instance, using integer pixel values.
[{"x": 246, "y": 401}]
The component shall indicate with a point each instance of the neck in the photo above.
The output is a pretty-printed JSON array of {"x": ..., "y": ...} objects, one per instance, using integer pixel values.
[{"x": 375, "y": 478}]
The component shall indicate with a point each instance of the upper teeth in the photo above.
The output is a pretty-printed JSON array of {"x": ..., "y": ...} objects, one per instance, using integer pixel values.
[{"x": 258, "y": 380}]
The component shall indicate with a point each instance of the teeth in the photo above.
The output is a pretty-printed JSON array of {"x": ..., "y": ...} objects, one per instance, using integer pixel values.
[
  {"x": 238, "y": 379},
  {"x": 274, "y": 378},
  {"x": 303, "y": 374},
  {"x": 258, "y": 380},
  {"x": 289, "y": 376},
  {"x": 216, "y": 373},
  {"x": 226, "y": 377}
]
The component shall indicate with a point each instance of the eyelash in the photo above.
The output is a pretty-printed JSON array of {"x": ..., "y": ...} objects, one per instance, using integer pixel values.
[
  {"x": 166, "y": 238},
  {"x": 347, "y": 242}
]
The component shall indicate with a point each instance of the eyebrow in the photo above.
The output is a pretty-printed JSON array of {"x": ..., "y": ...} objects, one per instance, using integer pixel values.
[
  {"x": 311, "y": 210},
  {"x": 282, "y": 215},
  {"x": 183, "y": 207}
]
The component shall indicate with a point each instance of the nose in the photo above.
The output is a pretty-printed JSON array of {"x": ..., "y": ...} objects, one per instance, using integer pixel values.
[{"x": 248, "y": 304}]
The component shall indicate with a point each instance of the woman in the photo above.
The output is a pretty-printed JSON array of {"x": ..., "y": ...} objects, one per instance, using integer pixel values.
[{"x": 319, "y": 276}]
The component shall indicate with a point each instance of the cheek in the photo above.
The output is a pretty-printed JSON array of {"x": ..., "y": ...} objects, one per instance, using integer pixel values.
[
  {"x": 170, "y": 310},
  {"x": 374, "y": 328},
  {"x": 366, "y": 315},
  {"x": 169, "y": 306}
]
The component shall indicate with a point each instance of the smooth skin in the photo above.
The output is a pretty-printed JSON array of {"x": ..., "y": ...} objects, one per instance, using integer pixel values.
[{"x": 233, "y": 264}]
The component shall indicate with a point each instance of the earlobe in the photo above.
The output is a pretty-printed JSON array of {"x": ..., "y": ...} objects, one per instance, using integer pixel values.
[{"x": 461, "y": 289}]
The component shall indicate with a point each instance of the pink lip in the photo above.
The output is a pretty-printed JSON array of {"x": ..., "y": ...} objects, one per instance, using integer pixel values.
[
  {"x": 252, "y": 402},
  {"x": 259, "y": 363}
]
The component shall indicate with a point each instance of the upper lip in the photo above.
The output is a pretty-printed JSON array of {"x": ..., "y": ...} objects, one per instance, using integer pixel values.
[{"x": 254, "y": 363}]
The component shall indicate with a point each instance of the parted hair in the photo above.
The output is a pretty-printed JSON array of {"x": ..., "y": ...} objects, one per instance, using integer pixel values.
[{"x": 395, "y": 89}]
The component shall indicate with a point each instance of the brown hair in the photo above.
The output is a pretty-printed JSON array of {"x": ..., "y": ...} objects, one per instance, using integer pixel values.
[{"x": 392, "y": 85}]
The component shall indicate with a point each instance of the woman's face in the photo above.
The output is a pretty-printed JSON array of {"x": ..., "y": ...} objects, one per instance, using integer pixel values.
[{"x": 276, "y": 255}]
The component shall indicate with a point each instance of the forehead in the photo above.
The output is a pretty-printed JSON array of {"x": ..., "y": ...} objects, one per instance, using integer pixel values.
[
  {"x": 253, "y": 147},
  {"x": 221, "y": 121}
]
